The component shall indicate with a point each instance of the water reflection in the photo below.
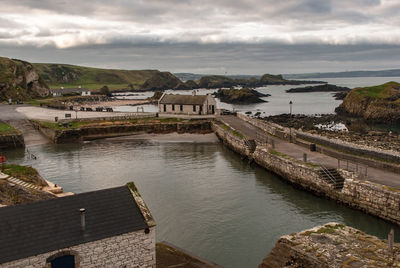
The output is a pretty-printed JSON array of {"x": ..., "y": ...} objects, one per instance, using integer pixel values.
[{"x": 203, "y": 196}]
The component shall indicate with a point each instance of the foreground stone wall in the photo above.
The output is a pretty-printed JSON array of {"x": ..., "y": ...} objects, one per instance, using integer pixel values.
[
  {"x": 11, "y": 141},
  {"x": 331, "y": 245},
  {"x": 375, "y": 199},
  {"x": 97, "y": 132},
  {"x": 135, "y": 249}
]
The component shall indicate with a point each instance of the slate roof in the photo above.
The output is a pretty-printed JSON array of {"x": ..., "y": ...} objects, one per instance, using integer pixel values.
[
  {"x": 40, "y": 227},
  {"x": 183, "y": 99}
]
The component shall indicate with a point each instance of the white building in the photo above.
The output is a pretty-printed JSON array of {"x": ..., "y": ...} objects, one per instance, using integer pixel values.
[{"x": 187, "y": 104}]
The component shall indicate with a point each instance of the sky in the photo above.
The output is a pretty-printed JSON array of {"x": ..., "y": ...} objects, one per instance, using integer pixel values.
[{"x": 207, "y": 36}]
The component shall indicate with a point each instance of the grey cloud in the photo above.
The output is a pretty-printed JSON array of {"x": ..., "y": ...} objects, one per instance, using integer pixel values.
[{"x": 218, "y": 58}]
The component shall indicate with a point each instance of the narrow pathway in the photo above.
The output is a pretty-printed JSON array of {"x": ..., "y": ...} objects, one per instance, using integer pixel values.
[
  {"x": 251, "y": 132},
  {"x": 31, "y": 135}
]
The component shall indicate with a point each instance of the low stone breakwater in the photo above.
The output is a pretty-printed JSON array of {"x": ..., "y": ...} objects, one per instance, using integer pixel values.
[
  {"x": 375, "y": 199},
  {"x": 116, "y": 130}
]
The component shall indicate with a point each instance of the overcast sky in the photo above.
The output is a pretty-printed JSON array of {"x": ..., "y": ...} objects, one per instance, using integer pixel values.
[{"x": 205, "y": 36}]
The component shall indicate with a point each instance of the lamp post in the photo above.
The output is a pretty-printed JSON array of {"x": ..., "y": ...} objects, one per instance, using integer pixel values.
[{"x": 290, "y": 126}]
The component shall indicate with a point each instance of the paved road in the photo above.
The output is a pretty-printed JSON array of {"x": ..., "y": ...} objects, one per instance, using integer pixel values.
[{"x": 374, "y": 175}]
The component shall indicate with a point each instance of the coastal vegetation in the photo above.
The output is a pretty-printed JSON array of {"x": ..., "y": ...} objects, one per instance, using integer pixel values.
[
  {"x": 6, "y": 129},
  {"x": 377, "y": 104},
  {"x": 24, "y": 173},
  {"x": 16, "y": 194}
]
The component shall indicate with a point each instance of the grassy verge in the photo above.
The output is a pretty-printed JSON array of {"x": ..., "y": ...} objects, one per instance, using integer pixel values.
[
  {"x": 233, "y": 132},
  {"x": 94, "y": 123},
  {"x": 6, "y": 129},
  {"x": 24, "y": 173},
  {"x": 271, "y": 151}
]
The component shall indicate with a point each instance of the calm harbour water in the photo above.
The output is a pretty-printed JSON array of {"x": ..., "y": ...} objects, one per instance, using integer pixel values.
[
  {"x": 278, "y": 102},
  {"x": 204, "y": 198}
]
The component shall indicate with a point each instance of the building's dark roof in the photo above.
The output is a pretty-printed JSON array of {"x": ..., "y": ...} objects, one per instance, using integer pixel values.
[
  {"x": 69, "y": 90},
  {"x": 40, "y": 227},
  {"x": 183, "y": 99}
]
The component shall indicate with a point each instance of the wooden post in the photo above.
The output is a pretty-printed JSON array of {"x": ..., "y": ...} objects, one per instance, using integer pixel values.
[{"x": 391, "y": 240}]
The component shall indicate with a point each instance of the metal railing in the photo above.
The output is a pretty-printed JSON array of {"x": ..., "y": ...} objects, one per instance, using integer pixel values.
[{"x": 351, "y": 166}]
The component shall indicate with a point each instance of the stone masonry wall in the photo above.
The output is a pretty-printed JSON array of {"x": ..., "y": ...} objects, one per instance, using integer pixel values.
[
  {"x": 96, "y": 132},
  {"x": 235, "y": 143},
  {"x": 375, "y": 199},
  {"x": 282, "y": 132},
  {"x": 11, "y": 141},
  {"x": 135, "y": 249}
]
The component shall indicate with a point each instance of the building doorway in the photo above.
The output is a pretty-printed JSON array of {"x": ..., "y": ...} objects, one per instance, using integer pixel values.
[{"x": 66, "y": 261}]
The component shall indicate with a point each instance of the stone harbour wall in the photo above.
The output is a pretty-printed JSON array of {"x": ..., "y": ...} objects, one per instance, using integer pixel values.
[
  {"x": 282, "y": 132},
  {"x": 350, "y": 147},
  {"x": 135, "y": 249},
  {"x": 375, "y": 199},
  {"x": 233, "y": 142},
  {"x": 98, "y": 132},
  {"x": 10, "y": 141}
]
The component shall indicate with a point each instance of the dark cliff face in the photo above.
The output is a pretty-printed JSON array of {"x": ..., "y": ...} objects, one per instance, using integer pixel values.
[
  {"x": 19, "y": 80},
  {"x": 380, "y": 103}
]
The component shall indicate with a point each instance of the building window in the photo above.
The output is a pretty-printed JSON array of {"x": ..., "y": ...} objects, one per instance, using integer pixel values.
[
  {"x": 181, "y": 108},
  {"x": 194, "y": 108},
  {"x": 165, "y": 107},
  {"x": 173, "y": 107}
]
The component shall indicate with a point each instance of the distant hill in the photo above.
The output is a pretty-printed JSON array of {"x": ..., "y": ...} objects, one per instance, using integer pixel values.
[
  {"x": 382, "y": 73},
  {"x": 19, "y": 80},
  {"x": 56, "y": 75},
  {"x": 191, "y": 76}
]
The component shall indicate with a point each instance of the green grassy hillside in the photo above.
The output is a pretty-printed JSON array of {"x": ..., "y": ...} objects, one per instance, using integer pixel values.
[{"x": 57, "y": 75}]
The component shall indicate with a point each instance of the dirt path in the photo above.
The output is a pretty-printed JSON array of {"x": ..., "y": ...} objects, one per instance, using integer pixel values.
[{"x": 251, "y": 132}]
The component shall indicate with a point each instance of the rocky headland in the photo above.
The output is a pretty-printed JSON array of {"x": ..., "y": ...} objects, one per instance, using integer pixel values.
[
  {"x": 319, "y": 88},
  {"x": 219, "y": 81},
  {"x": 240, "y": 96},
  {"x": 19, "y": 80},
  {"x": 377, "y": 104}
]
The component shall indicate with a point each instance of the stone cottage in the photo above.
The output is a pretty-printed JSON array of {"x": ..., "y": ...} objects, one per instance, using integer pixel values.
[
  {"x": 105, "y": 228},
  {"x": 70, "y": 91},
  {"x": 187, "y": 104}
]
